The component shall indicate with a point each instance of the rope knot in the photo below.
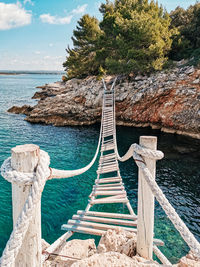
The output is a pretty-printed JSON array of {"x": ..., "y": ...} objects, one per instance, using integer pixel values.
[
  {"x": 23, "y": 178},
  {"x": 149, "y": 153}
]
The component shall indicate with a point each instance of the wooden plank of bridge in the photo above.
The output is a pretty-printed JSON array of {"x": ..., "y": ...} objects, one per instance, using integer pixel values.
[
  {"x": 104, "y": 220},
  {"x": 99, "y": 226},
  {"x": 107, "y": 214}
]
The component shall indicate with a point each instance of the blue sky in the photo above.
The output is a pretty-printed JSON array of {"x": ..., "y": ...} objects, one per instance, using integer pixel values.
[{"x": 35, "y": 33}]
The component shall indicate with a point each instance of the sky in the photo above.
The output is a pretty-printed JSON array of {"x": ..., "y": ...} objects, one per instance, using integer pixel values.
[{"x": 35, "y": 33}]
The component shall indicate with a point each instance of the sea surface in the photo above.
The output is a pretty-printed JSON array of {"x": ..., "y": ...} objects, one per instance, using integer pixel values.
[{"x": 178, "y": 173}]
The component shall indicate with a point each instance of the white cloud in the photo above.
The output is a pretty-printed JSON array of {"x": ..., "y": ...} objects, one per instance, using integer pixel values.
[
  {"x": 20, "y": 62},
  {"x": 29, "y": 2},
  {"x": 50, "y": 45},
  {"x": 13, "y": 16},
  {"x": 79, "y": 9},
  {"x": 47, "y": 18},
  {"x": 37, "y": 52}
]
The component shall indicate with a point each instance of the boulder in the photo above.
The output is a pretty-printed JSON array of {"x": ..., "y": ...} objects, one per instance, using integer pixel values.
[
  {"x": 118, "y": 240},
  {"x": 70, "y": 252},
  {"x": 26, "y": 109},
  {"x": 190, "y": 260}
]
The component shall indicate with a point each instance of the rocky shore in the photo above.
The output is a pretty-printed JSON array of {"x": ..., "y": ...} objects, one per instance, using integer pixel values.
[
  {"x": 117, "y": 248},
  {"x": 167, "y": 100}
]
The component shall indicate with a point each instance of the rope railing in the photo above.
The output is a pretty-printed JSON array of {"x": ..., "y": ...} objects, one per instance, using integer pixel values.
[{"x": 70, "y": 173}]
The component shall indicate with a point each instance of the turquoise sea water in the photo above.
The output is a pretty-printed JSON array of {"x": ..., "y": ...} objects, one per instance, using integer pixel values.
[{"x": 73, "y": 147}]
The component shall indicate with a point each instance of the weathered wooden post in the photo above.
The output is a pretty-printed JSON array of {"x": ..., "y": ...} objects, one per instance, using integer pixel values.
[
  {"x": 145, "y": 224},
  {"x": 25, "y": 159}
]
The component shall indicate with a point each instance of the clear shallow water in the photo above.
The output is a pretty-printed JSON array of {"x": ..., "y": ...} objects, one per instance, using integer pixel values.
[{"x": 73, "y": 147}]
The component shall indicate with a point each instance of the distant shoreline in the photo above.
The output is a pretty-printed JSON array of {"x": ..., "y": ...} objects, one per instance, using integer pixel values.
[
  {"x": 31, "y": 72},
  {"x": 6, "y": 73}
]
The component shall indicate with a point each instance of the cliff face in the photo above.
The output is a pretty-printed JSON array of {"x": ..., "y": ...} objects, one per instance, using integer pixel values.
[{"x": 169, "y": 101}]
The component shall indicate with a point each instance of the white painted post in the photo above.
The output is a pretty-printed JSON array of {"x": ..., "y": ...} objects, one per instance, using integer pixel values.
[
  {"x": 25, "y": 159},
  {"x": 145, "y": 224}
]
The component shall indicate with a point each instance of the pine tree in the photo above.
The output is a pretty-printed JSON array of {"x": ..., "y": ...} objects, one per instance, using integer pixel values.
[
  {"x": 186, "y": 40},
  {"x": 136, "y": 36},
  {"x": 81, "y": 59}
]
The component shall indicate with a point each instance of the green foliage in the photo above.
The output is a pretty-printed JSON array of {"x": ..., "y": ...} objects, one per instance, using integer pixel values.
[
  {"x": 186, "y": 37},
  {"x": 138, "y": 39},
  {"x": 133, "y": 36},
  {"x": 81, "y": 59}
]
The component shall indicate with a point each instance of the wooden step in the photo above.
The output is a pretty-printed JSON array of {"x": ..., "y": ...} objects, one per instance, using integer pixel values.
[
  {"x": 109, "y": 188},
  {"x": 108, "y": 128},
  {"x": 82, "y": 230},
  {"x": 108, "y": 165},
  {"x": 108, "y": 180},
  {"x": 107, "y": 193},
  {"x": 105, "y": 220},
  {"x": 105, "y": 167},
  {"x": 99, "y": 226},
  {"x": 107, "y": 148},
  {"x": 108, "y": 162},
  {"x": 107, "y": 170},
  {"x": 110, "y": 143},
  {"x": 103, "y": 171},
  {"x": 108, "y": 201},
  {"x": 108, "y": 185},
  {"x": 107, "y": 141},
  {"x": 107, "y": 214},
  {"x": 111, "y": 155},
  {"x": 107, "y": 134},
  {"x": 108, "y": 118}
]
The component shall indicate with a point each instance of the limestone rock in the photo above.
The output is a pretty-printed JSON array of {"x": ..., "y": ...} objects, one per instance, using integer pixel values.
[
  {"x": 114, "y": 259},
  {"x": 166, "y": 100},
  {"x": 189, "y": 261},
  {"x": 118, "y": 240},
  {"x": 72, "y": 250},
  {"x": 21, "y": 110}
]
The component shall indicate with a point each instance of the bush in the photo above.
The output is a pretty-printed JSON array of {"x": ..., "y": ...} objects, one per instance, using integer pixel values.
[{"x": 186, "y": 24}]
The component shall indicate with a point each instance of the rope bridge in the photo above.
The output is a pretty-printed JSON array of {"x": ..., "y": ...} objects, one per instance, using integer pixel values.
[{"x": 108, "y": 188}]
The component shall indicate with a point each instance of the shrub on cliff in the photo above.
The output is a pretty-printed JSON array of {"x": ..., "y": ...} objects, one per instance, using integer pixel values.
[
  {"x": 186, "y": 40},
  {"x": 133, "y": 36}
]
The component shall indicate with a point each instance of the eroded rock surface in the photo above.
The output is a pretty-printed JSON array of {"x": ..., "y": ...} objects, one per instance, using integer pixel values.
[
  {"x": 114, "y": 259},
  {"x": 117, "y": 248},
  {"x": 118, "y": 240},
  {"x": 70, "y": 252},
  {"x": 26, "y": 109},
  {"x": 169, "y": 101},
  {"x": 189, "y": 261}
]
